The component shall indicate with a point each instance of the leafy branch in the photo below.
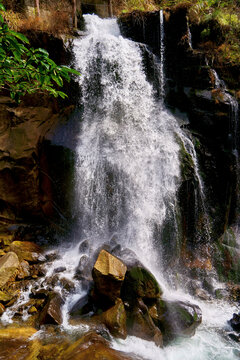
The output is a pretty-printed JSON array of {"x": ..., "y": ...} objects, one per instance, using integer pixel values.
[{"x": 25, "y": 70}]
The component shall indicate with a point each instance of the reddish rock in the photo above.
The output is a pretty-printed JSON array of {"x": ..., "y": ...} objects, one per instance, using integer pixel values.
[{"x": 52, "y": 312}]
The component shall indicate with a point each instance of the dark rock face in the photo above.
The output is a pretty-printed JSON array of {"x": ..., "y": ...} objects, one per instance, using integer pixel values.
[
  {"x": 27, "y": 180},
  {"x": 235, "y": 322}
]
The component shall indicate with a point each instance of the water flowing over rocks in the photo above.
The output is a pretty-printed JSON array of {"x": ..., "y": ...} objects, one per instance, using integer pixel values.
[{"x": 138, "y": 308}]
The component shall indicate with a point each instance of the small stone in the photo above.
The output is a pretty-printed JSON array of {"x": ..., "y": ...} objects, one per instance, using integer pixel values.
[
  {"x": 67, "y": 284},
  {"x": 32, "y": 310},
  {"x": 52, "y": 256},
  {"x": 59, "y": 269},
  {"x": 202, "y": 294},
  {"x": 39, "y": 294},
  {"x": 24, "y": 271}
]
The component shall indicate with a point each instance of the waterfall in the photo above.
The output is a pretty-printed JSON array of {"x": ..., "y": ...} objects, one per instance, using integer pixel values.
[
  {"x": 189, "y": 36},
  {"x": 128, "y": 165}
]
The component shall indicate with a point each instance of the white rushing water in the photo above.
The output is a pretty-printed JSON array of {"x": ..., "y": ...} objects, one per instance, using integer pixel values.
[{"x": 128, "y": 167}]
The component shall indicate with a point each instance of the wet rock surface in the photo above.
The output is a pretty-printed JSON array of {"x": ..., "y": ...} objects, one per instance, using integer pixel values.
[
  {"x": 9, "y": 266},
  {"x": 52, "y": 313},
  {"x": 137, "y": 307},
  {"x": 108, "y": 275}
]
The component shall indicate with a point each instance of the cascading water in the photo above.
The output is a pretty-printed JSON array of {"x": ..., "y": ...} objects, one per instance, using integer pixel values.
[{"x": 128, "y": 157}]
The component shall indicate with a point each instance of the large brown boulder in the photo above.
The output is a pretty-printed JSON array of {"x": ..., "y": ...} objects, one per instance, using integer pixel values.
[
  {"x": 176, "y": 318},
  {"x": 95, "y": 347},
  {"x": 140, "y": 282},
  {"x": 108, "y": 275},
  {"x": 9, "y": 265},
  {"x": 140, "y": 324},
  {"x": 26, "y": 250}
]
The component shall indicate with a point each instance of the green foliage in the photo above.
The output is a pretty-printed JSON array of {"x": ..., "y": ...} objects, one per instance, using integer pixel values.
[{"x": 25, "y": 70}]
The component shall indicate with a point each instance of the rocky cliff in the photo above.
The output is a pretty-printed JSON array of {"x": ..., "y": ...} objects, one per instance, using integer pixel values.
[{"x": 206, "y": 110}]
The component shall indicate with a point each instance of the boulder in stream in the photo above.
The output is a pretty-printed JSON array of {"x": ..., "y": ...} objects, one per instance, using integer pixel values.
[
  {"x": 108, "y": 275},
  {"x": 52, "y": 313},
  {"x": 176, "y": 318},
  {"x": 140, "y": 324},
  {"x": 139, "y": 282}
]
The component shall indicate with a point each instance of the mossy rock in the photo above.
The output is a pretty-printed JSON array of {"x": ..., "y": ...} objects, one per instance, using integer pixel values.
[
  {"x": 140, "y": 282},
  {"x": 177, "y": 319}
]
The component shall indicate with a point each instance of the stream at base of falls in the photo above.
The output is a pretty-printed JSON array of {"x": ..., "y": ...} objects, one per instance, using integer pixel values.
[{"x": 127, "y": 177}]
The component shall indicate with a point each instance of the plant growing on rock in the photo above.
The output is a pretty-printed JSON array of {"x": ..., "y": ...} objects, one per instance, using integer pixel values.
[{"x": 25, "y": 70}]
